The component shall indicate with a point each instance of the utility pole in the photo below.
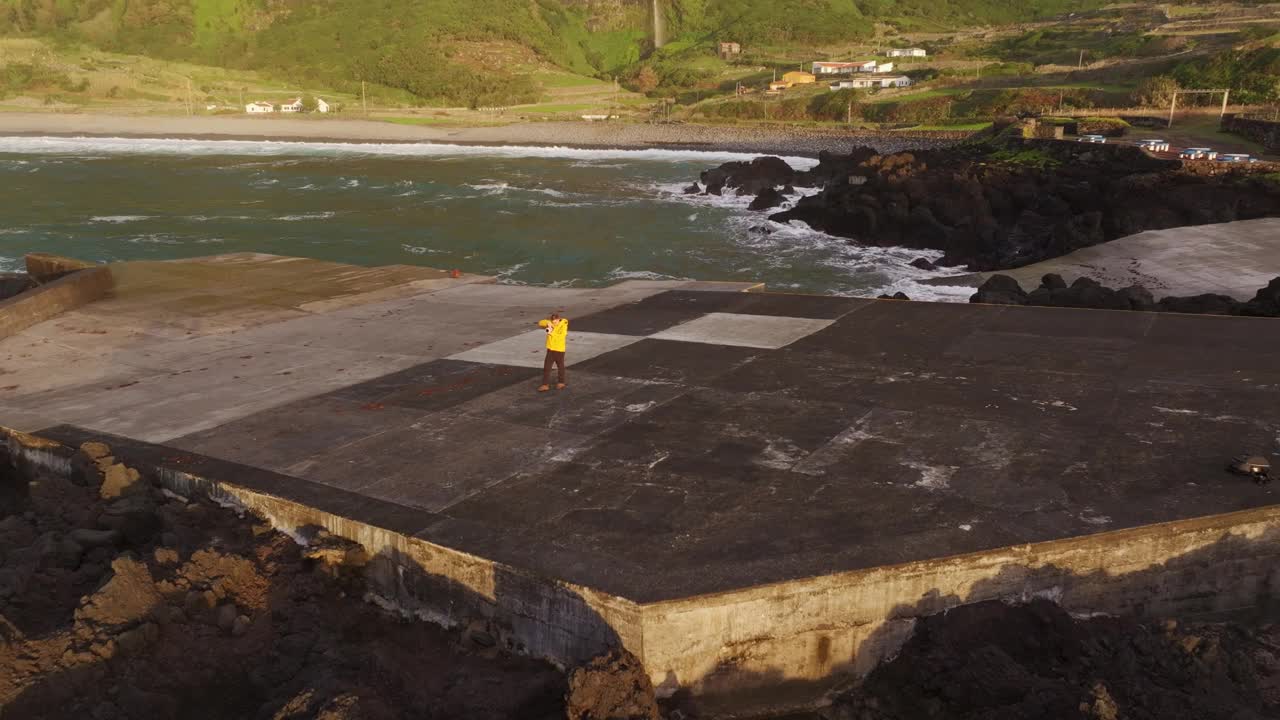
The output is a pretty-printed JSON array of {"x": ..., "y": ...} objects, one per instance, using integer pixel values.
[
  {"x": 242, "y": 98},
  {"x": 1225, "y": 94},
  {"x": 364, "y": 101},
  {"x": 848, "y": 114},
  {"x": 1080, "y": 63},
  {"x": 1172, "y": 104},
  {"x": 189, "y": 110}
]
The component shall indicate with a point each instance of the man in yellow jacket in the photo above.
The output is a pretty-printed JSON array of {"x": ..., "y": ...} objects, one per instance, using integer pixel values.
[{"x": 557, "y": 334}]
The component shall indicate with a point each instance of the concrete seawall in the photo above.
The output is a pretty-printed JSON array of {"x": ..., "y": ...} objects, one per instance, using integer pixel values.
[
  {"x": 770, "y": 648},
  {"x": 68, "y": 292}
]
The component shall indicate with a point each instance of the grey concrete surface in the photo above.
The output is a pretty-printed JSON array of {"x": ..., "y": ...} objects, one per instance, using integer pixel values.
[
  {"x": 1234, "y": 259},
  {"x": 179, "y": 347},
  {"x": 967, "y": 428}
]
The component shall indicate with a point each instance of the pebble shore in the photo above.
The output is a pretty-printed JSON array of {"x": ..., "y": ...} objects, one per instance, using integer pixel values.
[{"x": 775, "y": 140}]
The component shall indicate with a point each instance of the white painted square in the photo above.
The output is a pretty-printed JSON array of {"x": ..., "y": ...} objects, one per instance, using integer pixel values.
[
  {"x": 530, "y": 348},
  {"x": 755, "y": 331}
]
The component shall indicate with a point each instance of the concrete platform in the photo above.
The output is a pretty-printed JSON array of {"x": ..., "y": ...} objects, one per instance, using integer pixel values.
[
  {"x": 751, "y": 491},
  {"x": 1233, "y": 259}
]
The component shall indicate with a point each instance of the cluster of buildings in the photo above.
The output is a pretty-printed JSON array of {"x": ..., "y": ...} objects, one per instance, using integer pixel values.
[
  {"x": 293, "y": 106},
  {"x": 865, "y": 73}
]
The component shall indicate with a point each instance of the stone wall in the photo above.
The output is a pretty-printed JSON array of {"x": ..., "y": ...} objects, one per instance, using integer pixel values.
[
  {"x": 1262, "y": 131},
  {"x": 45, "y": 268},
  {"x": 68, "y": 292},
  {"x": 811, "y": 636}
]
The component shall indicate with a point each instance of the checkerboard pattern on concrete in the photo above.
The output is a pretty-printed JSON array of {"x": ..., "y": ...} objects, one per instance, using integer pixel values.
[{"x": 734, "y": 439}]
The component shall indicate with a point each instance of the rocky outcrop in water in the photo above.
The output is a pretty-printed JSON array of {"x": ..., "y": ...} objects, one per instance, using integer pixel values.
[
  {"x": 1088, "y": 293},
  {"x": 1006, "y": 201}
]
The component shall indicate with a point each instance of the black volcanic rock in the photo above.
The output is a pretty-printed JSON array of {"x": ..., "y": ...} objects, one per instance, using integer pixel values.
[
  {"x": 1266, "y": 303},
  {"x": 748, "y": 178},
  {"x": 1089, "y": 293},
  {"x": 1013, "y": 201},
  {"x": 1205, "y": 304},
  {"x": 1000, "y": 290},
  {"x": 767, "y": 198},
  {"x": 923, "y": 264}
]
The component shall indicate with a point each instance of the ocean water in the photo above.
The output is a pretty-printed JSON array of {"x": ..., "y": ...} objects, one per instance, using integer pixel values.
[{"x": 545, "y": 216}]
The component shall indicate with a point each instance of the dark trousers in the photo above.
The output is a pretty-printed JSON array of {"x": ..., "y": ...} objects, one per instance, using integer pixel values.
[{"x": 553, "y": 358}]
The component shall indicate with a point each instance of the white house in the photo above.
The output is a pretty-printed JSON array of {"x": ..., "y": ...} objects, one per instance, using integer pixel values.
[
  {"x": 843, "y": 68},
  {"x": 884, "y": 67},
  {"x": 872, "y": 81},
  {"x": 259, "y": 107},
  {"x": 906, "y": 52},
  {"x": 322, "y": 106},
  {"x": 293, "y": 106},
  {"x": 855, "y": 82},
  {"x": 892, "y": 80}
]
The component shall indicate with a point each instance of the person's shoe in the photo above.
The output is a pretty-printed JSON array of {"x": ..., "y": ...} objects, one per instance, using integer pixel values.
[
  {"x": 561, "y": 386},
  {"x": 543, "y": 388}
]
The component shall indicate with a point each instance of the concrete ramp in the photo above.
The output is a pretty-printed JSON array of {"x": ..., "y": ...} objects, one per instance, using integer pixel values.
[{"x": 1233, "y": 259}]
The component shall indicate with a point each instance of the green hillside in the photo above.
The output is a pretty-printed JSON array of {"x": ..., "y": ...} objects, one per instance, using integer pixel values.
[{"x": 409, "y": 45}]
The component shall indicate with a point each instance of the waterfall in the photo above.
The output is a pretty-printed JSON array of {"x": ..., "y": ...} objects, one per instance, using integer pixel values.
[{"x": 659, "y": 26}]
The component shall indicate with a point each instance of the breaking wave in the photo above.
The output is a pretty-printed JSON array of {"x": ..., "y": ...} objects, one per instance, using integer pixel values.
[{"x": 170, "y": 146}]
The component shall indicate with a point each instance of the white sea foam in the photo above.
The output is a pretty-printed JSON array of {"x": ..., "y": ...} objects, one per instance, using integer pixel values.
[
  {"x": 118, "y": 219},
  {"x": 170, "y": 146},
  {"x": 873, "y": 270},
  {"x": 307, "y": 216},
  {"x": 622, "y": 274},
  {"x": 419, "y": 250}
]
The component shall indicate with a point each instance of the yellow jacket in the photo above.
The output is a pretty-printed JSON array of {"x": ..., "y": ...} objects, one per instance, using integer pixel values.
[{"x": 557, "y": 333}]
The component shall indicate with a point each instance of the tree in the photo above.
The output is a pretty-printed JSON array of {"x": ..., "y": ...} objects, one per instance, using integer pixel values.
[
  {"x": 1155, "y": 91},
  {"x": 645, "y": 80},
  {"x": 308, "y": 103}
]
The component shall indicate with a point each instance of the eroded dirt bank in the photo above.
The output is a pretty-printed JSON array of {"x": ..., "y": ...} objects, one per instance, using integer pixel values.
[{"x": 121, "y": 601}]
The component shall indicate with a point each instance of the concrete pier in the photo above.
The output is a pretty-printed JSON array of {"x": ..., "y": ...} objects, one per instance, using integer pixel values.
[{"x": 757, "y": 494}]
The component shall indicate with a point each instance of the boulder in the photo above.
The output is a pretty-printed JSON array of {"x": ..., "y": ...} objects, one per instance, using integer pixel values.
[
  {"x": 767, "y": 198},
  {"x": 692, "y": 189},
  {"x": 1138, "y": 297},
  {"x": 1053, "y": 281},
  {"x": 1206, "y": 304},
  {"x": 923, "y": 264},
  {"x": 95, "y": 538},
  {"x": 1000, "y": 290},
  {"x": 226, "y": 617},
  {"x": 12, "y": 284},
  {"x": 748, "y": 178},
  {"x": 612, "y": 686},
  {"x": 134, "y": 517},
  {"x": 1266, "y": 303}
]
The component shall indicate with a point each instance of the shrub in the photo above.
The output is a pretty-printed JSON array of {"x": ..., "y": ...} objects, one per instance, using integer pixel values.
[{"x": 1110, "y": 127}]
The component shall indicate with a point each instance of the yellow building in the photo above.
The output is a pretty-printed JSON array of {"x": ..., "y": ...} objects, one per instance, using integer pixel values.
[{"x": 798, "y": 77}]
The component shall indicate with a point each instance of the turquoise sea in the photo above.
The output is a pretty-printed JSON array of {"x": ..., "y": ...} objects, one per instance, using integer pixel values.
[{"x": 552, "y": 216}]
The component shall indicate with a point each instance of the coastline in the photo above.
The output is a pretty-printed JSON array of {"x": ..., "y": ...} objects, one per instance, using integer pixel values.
[{"x": 802, "y": 142}]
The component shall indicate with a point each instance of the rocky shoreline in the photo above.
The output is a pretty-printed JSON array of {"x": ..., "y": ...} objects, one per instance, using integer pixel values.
[
  {"x": 1088, "y": 293},
  {"x": 1003, "y": 200}
]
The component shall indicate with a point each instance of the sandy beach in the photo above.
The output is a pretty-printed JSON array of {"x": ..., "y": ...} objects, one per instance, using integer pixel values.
[{"x": 771, "y": 140}]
